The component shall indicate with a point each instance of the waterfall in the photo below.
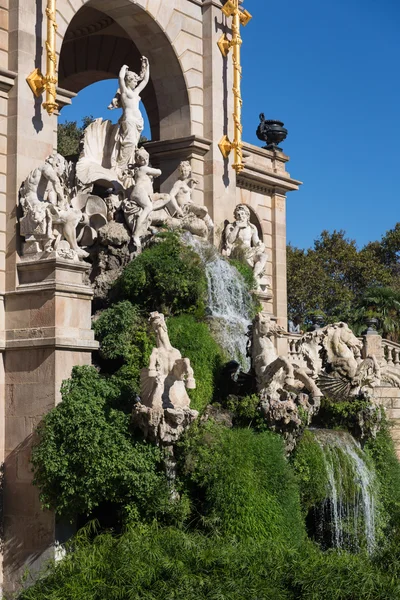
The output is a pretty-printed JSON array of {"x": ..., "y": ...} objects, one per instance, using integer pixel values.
[
  {"x": 346, "y": 520},
  {"x": 229, "y": 302}
]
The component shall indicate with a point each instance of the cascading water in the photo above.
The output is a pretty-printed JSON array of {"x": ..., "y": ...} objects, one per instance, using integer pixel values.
[
  {"x": 346, "y": 519},
  {"x": 229, "y": 302}
]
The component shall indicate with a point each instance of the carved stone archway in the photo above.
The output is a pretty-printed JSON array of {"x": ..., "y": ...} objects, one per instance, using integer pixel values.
[{"x": 102, "y": 36}]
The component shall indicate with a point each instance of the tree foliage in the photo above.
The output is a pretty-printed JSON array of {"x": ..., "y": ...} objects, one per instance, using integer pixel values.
[
  {"x": 332, "y": 277},
  {"x": 125, "y": 347},
  {"x": 168, "y": 277},
  {"x": 85, "y": 454},
  {"x": 69, "y": 136}
]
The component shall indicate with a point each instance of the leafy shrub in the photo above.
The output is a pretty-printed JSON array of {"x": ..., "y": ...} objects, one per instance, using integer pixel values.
[
  {"x": 248, "y": 487},
  {"x": 387, "y": 466},
  {"x": 309, "y": 465},
  {"x": 357, "y": 415},
  {"x": 168, "y": 277},
  {"x": 247, "y": 273},
  {"x": 194, "y": 340},
  {"x": 85, "y": 453},
  {"x": 125, "y": 348},
  {"x": 245, "y": 411}
]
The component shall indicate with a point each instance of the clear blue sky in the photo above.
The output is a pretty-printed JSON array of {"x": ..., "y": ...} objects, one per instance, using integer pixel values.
[{"x": 330, "y": 69}]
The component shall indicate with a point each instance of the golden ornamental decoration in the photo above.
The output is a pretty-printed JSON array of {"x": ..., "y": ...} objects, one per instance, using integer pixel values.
[
  {"x": 38, "y": 82},
  {"x": 239, "y": 17}
]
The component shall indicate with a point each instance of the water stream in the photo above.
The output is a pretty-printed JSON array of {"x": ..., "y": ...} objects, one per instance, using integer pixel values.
[
  {"x": 346, "y": 520},
  {"x": 229, "y": 302}
]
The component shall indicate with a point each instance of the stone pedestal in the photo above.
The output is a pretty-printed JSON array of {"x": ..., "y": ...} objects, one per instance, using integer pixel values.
[{"x": 48, "y": 331}]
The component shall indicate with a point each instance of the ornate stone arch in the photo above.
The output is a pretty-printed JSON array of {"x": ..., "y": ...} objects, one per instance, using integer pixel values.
[{"x": 101, "y": 35}]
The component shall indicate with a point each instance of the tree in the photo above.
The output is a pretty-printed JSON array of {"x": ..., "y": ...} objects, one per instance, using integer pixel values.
[
  {"x": 69, "y": 135},
  {"x": 332, "y": 277},
  {"x": 384, "y": 304}
]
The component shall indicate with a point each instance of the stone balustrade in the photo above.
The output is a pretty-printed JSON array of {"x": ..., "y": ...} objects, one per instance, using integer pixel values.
[{"x": 391, "y": 354}]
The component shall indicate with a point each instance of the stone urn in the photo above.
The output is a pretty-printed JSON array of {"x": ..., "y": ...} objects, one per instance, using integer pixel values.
[
  {"x": 372, "y": 324},
  {"x": 317, "y": 322},
  {"x": 272, "y": 132}
]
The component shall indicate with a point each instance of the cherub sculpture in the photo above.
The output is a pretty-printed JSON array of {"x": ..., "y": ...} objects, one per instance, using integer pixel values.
[
  {"x": 142, "y": 200},
  {"x": 192, "y": 217},
  {"x": 163, "y": 383}
]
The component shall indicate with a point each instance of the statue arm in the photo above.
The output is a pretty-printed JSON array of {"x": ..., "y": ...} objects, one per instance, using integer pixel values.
[
  {"x": 153, "y": 172},
  {"x": 121, "y": 78},
  {"x": 146, "y": 75},
  {"x": 231, "y": 233},
  {"x": 255, "y": 240},
  {"x": 192, "y": 182}
]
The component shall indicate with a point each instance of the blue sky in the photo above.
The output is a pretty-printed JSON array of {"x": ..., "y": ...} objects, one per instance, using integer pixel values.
[{"x": 330, "y": 69}]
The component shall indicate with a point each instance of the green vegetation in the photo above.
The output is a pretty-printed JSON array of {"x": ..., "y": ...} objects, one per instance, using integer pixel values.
[
  {"x": 310, "y": 467},
  {"x": 359, "y": 416},
  {"x": 237, "y": 527},
  {"x": 245, "y": 537},
  {"x": 382, "y": 451},
  {"x": 125, "y": 348},
  {"x": 168, "y": 277},
  {"x": 69, "y": 136},
  {"x": 194, "y": 340},
  {"x": 86, "y": 455},
  {"x": 333, "y": 278},
  {"x": 247, "y": 487}
]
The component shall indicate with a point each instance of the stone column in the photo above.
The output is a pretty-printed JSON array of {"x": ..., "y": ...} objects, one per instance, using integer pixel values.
[
  {"x": 219, "y": 177},
  {"x": 48, "y": 331}
]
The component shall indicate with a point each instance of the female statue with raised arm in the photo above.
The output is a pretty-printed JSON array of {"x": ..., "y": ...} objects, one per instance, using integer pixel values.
[{"x": 131, "y": 122}]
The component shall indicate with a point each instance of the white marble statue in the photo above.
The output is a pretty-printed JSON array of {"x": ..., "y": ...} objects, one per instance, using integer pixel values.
[
  {"x": 130, "y": 125},
  {"x": 333, "y": 355},
  {"x": 243, "y": 235},
  {"x": 142, "y": 200},
  {"x": 193, "y": 217},
  {"x": 163, "y": 385},
  {"x": 274, "y": 373},
  {"x": 109, "y": 149},
  {"x": 49, "y": 221}
]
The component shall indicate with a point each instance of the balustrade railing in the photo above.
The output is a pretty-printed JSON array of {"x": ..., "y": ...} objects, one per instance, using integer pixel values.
[{"x": 391, "y": 354}]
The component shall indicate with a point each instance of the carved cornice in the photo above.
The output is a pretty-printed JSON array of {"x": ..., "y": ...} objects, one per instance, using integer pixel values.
[
  {"x": 247, "y": 183},
  {"x": 269, "y": 179},
  {"x": 7, "y": 80},
  {"x": 64, "y": 97},
  {"x": 180, "y": 148},
  {"x": 90, "y": 29}
]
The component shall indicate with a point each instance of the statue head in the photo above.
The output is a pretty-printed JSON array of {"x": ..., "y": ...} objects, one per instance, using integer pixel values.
[
  {"x": 242, "y": 213},
  {"x": 185, "y": 169},
  {"x": 157, "y": 321},
  {"x": 132, "y": 79},
  {"x": 58, "y": 163},
  {"x": 142, "y": 157}
]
